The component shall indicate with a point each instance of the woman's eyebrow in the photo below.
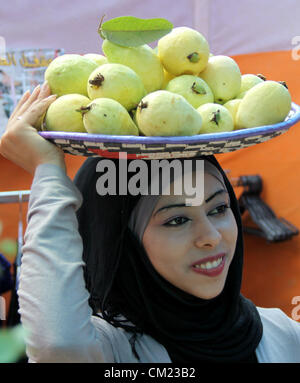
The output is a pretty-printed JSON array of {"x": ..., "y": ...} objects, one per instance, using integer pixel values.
[{"x": 220, "y": 191}]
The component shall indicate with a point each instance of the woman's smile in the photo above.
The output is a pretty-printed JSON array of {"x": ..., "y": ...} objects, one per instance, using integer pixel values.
[{"x": 210, "y": 266}]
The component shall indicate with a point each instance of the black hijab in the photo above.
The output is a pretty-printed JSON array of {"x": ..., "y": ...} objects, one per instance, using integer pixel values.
[{"x": 123, "y": 283}]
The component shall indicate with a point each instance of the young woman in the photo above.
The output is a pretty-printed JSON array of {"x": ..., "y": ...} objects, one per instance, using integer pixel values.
[{"x": 124, "y": 278}]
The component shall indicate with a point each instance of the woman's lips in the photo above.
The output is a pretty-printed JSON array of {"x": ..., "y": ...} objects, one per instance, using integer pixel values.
[{"x": 210, "y": 266}]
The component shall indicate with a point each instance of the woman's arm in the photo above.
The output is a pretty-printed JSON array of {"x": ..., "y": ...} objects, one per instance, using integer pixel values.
[{"x": 52, "y": 295}]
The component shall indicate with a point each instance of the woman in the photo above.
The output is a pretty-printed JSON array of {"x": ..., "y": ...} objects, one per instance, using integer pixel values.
[{"x": 164, "y": 281}]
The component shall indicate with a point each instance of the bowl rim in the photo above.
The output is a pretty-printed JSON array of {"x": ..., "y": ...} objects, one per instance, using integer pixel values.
[{"x": 195, "y": 139}]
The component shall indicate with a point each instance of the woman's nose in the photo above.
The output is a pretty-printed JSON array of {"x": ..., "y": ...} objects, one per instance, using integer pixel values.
[{"x": 207, "y": 235}]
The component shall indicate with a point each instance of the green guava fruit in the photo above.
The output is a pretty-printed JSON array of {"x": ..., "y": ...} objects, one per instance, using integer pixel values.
[
  {"x": 232, "y": 106},
  {"x": 68, "y": 74},
  {"x": 107, "y": 116},
  {"x": 183, "y": 51},
  {"x": 118, "y": 82},
  {"x": 97, "y": 58},
  {"x": 223, "y": 76},
  {"x": 266, "y": 103},
  {"x": 62, "y": 114},
  {"x": 163, "y": 113},
  {"x": 215, "y": 118},
  {"x": 248, "y": 81},
  {"x": 141, "y": 59},
  {"x": 192, "y": 88}
]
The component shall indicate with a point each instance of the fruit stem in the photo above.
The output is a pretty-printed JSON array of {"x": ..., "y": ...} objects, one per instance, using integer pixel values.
[
  {"x": 261, "y": 76},
  {"x": 143, "y": 105},
  {"x": 97, "y": 81},
  {"x": 216, "y": 117},
  {"x": 100, "y": 29},
  {"x": 84, "y": 109},
  {"x": 197, "y": 88},
  {"x": 194, "y": 57},
  {"x": 283, "y": 83}
]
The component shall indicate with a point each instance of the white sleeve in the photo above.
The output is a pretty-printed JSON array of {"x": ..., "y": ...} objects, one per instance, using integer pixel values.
[{"x": 53, "y": 299}]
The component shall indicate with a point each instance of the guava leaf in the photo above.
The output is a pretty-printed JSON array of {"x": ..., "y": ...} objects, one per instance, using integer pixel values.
[{"x": 129, "y": 31}]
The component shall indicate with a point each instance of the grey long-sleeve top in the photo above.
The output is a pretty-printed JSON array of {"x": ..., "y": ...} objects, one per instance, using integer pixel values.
[{"x": 53, "y": 299}]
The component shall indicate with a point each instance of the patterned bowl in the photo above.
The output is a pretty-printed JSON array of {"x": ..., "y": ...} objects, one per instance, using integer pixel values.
[{"x": 142, "y": 147}]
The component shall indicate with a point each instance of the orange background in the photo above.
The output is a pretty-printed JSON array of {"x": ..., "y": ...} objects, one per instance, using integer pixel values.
[{"x": 271, "y": 270}]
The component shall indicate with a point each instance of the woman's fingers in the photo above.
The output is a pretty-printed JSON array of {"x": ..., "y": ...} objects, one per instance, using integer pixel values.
[
  {"x": 45, "y": 91},
  {"x": 36, "y": 110},
  {"x": 31, "y": 107},
  {"x": 20, "y": 103},
  {"x": 27, "y": 100},
  {"x": 30, "y": 100}
]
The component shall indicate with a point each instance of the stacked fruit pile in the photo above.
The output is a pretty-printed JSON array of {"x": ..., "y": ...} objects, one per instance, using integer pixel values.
[{"x": 177, "y": 89}]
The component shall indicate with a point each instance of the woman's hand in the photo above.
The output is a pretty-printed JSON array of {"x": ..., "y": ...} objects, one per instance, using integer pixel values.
[{"x": 21, "y": 142}]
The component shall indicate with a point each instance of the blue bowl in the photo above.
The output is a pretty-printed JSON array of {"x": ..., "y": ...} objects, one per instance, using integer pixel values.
[{"x": 142, "y": 147}]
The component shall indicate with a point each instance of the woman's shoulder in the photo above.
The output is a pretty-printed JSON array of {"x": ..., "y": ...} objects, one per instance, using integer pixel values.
[
  {"x": 149, "y": 350},
  {"x": 276, "y": 318},
  {"x": 280, "y": 342}
]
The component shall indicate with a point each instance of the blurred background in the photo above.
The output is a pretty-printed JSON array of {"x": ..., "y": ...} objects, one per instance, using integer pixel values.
[{"x": 263, "y": 36}]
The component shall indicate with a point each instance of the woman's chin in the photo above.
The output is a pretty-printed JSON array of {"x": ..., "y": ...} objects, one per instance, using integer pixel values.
[{"x": 210, "y": 293}]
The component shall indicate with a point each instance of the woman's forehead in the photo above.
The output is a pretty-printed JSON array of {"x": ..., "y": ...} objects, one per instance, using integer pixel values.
[{"x": 212, "y": 182}]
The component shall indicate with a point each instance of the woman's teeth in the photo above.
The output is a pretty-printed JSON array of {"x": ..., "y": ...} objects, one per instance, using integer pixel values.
[{"x": 209, "y": 265}]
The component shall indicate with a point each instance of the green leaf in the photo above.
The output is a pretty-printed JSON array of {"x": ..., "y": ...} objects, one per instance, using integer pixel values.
[{"x": 129, "y": 31}]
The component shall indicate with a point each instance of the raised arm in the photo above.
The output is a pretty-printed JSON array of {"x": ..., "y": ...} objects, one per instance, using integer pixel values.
[{"x": 52, "y": 295}]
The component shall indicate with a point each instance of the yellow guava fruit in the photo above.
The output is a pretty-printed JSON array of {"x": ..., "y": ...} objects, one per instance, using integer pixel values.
[
  {"x": 163, "y": 113},
  {"x": 62, "y": 114},
  {"x": 183, "y": 51},
  {"x": 232, "y": 106},
  {"x": 223, "y": 76},
  {"x": 192, "y": 88},
  {"x": 68, "y": 74},
  {"x": 107, "y": 116},
  {"x": 266, "y": 103},
  {"x": 248, "y": 81},
  {"x": 97, "y": 58},
  {"x": 141, "y": 59},
  {"x": 118, "y": 82},
  {"x": 215, "y": 118}
]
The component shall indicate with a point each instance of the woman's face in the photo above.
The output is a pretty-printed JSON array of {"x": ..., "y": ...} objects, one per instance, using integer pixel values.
[{"x": 193, "y": 246}]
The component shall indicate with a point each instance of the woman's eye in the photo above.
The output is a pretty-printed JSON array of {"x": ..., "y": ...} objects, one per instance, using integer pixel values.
[
  {"x": 177, "y": 221},
  {"x": 220, "y": 210}
]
